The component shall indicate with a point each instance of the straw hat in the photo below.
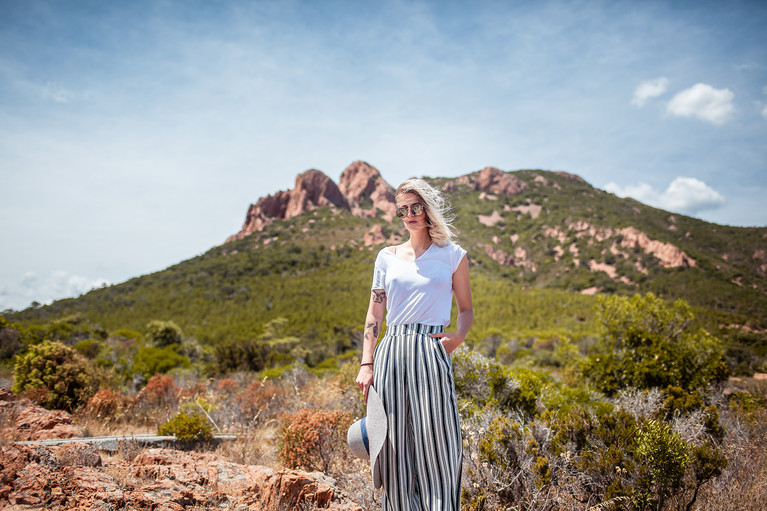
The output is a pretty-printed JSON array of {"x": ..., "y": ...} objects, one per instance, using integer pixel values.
[{"x": 366, "y": 437}]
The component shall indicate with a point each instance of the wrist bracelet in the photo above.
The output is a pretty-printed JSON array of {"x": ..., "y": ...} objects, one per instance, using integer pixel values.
[{"x": 367, "y": 364}]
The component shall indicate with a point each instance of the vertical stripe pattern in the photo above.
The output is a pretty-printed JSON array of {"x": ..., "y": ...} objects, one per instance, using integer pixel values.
[{"x": 421, "y": 459}]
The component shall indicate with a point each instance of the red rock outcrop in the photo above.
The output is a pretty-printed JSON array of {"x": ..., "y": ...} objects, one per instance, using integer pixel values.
[
  {"x": 493, "y": 180},
  {"x": 52, "y": 478},
  {"x": 361, "y": 182},
  {"x": 24, "y": 420},
  {"x": 669, "y": 255},
  {"x": 313, "y": 189}
]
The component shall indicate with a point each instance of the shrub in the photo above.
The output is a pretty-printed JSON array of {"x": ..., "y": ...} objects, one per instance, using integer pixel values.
[
  {"x": 187, "y": 428},
  {"x": 89, "y": 348},
  {"x": 150, "y": 360},
  {"x": 309, "y": 438},
  {"x": 163, "y": 333},
  {"x": 648, "y": 343},
  {"x": 259, "y": 399},
  {"x": 159, "y": 390},
  {"x": 105, "y": 404},
  {"x": 744, "y": 406},
  {"x": 666, "y": 458},
  {"x": 58, "y": 374},
  {"x": 482, "y": 382},
  {"x": 10, "y": 339}
]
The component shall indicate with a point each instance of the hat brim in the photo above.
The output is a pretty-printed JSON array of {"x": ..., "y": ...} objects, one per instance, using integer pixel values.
[{"x": 377, "y": 428}]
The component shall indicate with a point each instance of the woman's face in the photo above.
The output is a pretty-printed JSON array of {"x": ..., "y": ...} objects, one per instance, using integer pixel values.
[{"x": 412, "y": 222}]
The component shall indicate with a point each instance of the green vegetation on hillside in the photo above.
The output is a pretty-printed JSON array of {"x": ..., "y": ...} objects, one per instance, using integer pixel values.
[{"x": 312, "y": 273}]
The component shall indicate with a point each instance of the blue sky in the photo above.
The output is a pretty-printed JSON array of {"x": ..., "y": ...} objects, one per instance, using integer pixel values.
[{"x": 135, "y": 134}]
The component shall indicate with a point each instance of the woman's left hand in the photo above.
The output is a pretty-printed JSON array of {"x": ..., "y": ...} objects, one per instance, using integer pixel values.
[{"x": 450, "y": 340}]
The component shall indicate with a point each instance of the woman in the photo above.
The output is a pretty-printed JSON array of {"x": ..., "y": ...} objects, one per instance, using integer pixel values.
[{"x": 410, "y": 369}]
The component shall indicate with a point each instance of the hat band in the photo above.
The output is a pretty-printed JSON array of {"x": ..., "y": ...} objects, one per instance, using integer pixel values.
[{"x": 364, "y": 431}]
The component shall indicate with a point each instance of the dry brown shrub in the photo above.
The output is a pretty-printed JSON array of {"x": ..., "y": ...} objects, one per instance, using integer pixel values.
[
  {"x": 78, "y": 455},
  {"x": 156, "y": 402},
  {"x": 261, "y": 400},
  {"x": 193, "y": 391},
  {"x": 227, "y": 386},
  {"x": 313, "y": 439},
  {"x": 105, "y": 405},
  {"x": 159, "y": 390},
  {"x": 255, "y": 446},
  {"x": 743, "y": 483}
]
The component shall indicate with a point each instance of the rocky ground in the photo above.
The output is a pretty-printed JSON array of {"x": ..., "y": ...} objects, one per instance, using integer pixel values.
[{"x": 78, "y": 476}]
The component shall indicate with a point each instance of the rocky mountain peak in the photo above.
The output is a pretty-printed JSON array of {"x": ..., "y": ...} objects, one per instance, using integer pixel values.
[
  {"x": 366, "y": 190},
  {"x": 362, "y": 191},
  {"x": 313, "y": 189},
  {"x": 495, "y": 181}
]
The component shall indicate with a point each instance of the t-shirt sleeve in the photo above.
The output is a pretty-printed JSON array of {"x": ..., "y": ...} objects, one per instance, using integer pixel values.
[
  {"x": 456, "y": 256},
  {"x": 379, "y": 273}
]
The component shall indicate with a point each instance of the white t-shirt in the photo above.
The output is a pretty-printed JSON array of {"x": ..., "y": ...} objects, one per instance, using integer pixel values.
[{"x": 419, "y": 291}]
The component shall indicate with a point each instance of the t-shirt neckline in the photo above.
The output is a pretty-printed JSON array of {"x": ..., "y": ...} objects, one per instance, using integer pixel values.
[{"x": 410, "y": 260}]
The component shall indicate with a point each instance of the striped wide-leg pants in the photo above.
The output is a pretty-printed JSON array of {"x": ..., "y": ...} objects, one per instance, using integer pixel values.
[{"x": 421, "y": 459}]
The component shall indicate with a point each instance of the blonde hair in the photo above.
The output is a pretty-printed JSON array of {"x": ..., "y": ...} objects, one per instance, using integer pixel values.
[{"x": 438, "y": 211}]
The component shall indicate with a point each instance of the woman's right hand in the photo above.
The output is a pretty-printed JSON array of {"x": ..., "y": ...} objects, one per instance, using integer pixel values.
[{"x": 364, "y": 381}]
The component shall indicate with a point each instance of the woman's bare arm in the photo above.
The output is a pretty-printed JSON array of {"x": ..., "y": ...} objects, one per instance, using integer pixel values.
[{"x": 373, "y": 322}]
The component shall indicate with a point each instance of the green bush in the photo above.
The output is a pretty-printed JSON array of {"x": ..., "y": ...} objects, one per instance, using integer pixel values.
[
  {"x": 187, "y": 428},
  {"x": 665, "y": 456},
  {"x": 150, "y": 360},
  {"x": 89, "y": 348},
  {"x": 60, "y": 376},
  {"x": 163, "y": 333},
  {"x": 10, "y": 339},
  {"x": 648, "y": 343}
]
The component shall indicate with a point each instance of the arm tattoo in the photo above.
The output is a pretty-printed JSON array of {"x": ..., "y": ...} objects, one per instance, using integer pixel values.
[
  {"x": 374, "y": 333},
  {"x": 379, "y": 296}
]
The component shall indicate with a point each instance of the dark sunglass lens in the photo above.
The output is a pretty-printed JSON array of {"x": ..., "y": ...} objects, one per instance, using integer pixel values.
[
  {"x": 402, "y": 212},
  {"x": 417, "y": 209}
]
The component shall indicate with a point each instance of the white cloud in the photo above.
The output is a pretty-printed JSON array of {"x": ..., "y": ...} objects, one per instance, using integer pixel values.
[
  {"x": 703, "y": 102},
  {"x": 649, "y": 90},
  {"x": 59, "y": 284},
  {"x": 686, "y": 195},
  {"x": 764, "y": 112},
  {"x": 56, "y": 92}
]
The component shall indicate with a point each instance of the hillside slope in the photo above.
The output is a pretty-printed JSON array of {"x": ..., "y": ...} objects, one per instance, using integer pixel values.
[{"x": 541, "y": 245}]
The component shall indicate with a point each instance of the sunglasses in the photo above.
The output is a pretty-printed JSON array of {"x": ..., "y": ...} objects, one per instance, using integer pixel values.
[{"x": 416, "y": 209}]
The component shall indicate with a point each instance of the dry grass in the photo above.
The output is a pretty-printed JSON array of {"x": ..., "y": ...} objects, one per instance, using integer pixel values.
[
  {"x": 743, "y": 483},
  {"x": 251, "y": 409}
]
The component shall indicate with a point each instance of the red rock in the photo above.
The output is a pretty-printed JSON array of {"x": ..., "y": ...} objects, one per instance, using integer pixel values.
[
  {"x": 29, "y": 421},
  {"x": 374, "y": 236},
  {"x": 360, "y": 182},
  {"x": 157, "y": 479},
  {"x": 313, "y": 189},
  {"x": 493, "y": 180}
]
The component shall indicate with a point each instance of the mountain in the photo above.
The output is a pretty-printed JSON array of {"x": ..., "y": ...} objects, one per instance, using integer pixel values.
[
  {"x": 362, "y": 191},
  {"x": 541, "y": 245}
]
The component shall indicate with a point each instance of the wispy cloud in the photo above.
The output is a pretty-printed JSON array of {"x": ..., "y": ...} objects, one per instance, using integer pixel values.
[
  {"x": 702, "y": 101},
  {"x": 58, "y": 284},
  {"x": 55, "y": 92},
  {"x": 684, "y": 195},
  {"x": 649, "y": 89}
]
